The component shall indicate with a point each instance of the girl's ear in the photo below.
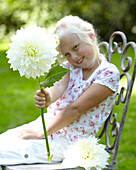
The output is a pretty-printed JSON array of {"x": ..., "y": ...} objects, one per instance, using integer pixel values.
[{"x": 92, "y": 36}]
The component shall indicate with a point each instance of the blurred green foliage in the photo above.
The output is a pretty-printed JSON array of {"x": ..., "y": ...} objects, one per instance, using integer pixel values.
[{"x": 107, "y": 16}]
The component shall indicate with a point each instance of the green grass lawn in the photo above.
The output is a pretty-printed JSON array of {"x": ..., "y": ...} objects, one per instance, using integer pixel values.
[
  {"x": 16, "y": 96},
  {"x": 17, "y": 107}
]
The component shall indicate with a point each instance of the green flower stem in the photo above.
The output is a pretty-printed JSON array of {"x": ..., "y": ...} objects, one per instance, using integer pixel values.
[
  {"x": 45, "y": 134},
  {"x": 45, "y": 131}
]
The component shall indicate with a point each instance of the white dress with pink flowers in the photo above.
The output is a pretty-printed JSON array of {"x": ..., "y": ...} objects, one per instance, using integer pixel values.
[{"x": 15, "y": 151}]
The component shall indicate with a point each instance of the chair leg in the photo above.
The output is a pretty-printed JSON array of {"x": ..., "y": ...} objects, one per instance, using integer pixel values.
[{"x": 112, "y": 166}]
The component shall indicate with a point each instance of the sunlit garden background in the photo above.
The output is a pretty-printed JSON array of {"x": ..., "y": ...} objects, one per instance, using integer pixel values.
[{"x": 17, "y": 94}]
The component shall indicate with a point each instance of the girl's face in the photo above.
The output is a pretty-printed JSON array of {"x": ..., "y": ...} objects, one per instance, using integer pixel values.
[{"x": 76, "y": 51}]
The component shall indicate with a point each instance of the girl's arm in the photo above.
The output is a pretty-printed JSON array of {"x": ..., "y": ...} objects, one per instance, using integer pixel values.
[
  {"x": 44, "y": 97},
  {"x": 58, "y": 89},
  {"x": 94, "y": 95}
]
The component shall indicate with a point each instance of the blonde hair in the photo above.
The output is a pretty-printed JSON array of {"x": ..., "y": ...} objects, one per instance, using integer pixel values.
[{"x": 82, "y": 29}]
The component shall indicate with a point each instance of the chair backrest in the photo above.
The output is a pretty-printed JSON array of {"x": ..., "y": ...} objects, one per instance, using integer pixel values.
[{"x": 127, "y": 69}]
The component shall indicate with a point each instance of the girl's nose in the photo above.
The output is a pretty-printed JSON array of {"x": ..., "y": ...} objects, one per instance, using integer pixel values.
[{"x": 74, "y": 56}]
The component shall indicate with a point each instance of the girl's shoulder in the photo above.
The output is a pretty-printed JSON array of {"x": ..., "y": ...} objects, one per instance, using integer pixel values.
[
  {"x": 107, "y": 66},
  {"x": 107, "y": 74}
]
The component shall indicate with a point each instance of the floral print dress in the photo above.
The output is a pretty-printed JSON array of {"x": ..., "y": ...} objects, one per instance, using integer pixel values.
[{"x": 18, "y": 151}]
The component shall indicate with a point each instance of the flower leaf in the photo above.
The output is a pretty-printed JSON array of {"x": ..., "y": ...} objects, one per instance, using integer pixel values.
[{"x": 55, "y": 74}]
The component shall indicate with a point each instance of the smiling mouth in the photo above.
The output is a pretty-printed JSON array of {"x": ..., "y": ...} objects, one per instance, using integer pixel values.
[{"x": 80, "y": 60}]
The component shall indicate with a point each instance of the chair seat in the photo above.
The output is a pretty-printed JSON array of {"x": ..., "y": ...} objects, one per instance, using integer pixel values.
[{"x": 55, "y": 166}]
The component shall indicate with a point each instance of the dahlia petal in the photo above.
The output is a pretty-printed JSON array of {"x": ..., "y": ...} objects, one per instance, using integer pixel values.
[
  {"x": 32, "y": 51},
  {"x": 86, "y": 153}
]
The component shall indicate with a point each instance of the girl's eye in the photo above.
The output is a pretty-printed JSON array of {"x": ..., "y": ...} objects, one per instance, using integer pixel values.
[
  {"x": 75, "y": 47},
  {"x": 67, "y": 54}
]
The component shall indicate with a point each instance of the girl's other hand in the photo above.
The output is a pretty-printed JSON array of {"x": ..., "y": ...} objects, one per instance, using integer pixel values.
[
  {"x": 42, "y": 98},
  {"x": 31, "y": 134}
]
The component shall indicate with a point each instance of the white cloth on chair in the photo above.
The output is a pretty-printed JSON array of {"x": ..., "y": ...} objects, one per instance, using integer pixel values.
[{"x": 14, "y": 150}]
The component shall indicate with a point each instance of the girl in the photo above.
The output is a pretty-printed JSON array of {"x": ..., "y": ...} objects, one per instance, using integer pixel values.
[{"x": 78, "y": 104}]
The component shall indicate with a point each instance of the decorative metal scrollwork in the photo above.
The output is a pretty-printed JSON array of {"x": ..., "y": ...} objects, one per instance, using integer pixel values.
[
  {"x": 111, "y": 120},
  {"x": 124, "y": 95},
  {"x": 114, "y": 131},
  {"x": 117, "y": 46},
  {"x": 123, "y": 89}
]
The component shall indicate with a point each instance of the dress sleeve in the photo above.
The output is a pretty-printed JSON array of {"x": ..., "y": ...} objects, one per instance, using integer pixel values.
[{"x": 108, "y": 77}]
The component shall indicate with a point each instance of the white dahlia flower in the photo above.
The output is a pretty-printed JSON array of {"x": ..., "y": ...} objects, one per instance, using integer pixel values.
[
  {"x": 32, "y": 51},
  {"x": 86, "y": 153}
]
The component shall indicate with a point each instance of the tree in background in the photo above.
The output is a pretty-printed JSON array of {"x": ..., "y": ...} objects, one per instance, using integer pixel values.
[{"x": 107, "y": 16}]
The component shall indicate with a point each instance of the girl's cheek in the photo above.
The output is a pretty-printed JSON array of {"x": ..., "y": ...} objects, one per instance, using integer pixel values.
[
  {"x": 69, "y": 60},
  {"x": 81, "y": 51}
]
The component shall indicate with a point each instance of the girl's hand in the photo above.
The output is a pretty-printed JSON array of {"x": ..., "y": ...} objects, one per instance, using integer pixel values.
[
  {"x": 42, "y": 99},
  {"x": 31, "y": 134}
]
